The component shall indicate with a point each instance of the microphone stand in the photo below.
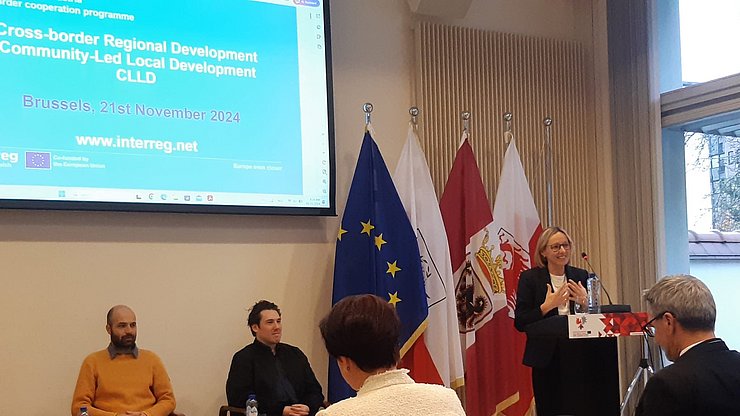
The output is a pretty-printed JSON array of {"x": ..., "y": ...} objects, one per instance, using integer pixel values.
[
  {"x": 644, "y": 371},
  {"x": 584, "y": 256}
]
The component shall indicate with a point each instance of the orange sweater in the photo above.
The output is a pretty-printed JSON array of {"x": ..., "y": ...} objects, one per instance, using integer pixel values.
[{"x": 108, "y": 386}]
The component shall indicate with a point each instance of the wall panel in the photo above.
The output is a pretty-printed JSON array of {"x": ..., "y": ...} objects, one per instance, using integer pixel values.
[{"x": 490, "y": 73}]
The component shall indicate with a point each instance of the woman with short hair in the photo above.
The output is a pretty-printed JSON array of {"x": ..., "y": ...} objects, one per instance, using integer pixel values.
[{"x": 362, "y": 333}]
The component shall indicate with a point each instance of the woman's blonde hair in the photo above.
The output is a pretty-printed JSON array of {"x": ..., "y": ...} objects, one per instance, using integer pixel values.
[{"x": 539, "y": 259}]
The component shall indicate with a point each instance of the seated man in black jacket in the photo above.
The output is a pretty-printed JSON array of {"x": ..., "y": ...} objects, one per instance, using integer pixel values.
[
  {"x": 704, "y": 378},
  {"x": 278, "y": 374}
]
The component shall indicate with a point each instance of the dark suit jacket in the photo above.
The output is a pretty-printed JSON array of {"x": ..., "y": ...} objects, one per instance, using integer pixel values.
[
  {"x": 530, "y": 295},
  {"x": 703, "y": 381},
  {"x": 254, "y": 369}
]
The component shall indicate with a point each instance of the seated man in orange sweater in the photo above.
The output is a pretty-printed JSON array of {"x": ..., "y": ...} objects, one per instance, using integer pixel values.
[{"x": 122, "y": 379}]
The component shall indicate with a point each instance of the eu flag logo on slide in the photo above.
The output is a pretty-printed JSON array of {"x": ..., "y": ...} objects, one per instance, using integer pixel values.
[{"x": 38, "y": 160}]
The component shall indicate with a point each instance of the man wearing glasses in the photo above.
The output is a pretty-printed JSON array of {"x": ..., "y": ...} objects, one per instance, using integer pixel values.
[{"x": 704, "y": 378}]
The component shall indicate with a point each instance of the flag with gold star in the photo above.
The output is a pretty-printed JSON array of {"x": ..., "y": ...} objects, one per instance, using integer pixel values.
[{"x": 377, "y": 253}]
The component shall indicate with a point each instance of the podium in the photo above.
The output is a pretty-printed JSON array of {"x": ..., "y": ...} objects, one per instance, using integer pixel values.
[{"x": 587, "y": 345}]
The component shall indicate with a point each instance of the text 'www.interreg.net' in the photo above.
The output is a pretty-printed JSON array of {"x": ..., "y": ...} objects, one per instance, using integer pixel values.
[{"x": 131, "y": 142}]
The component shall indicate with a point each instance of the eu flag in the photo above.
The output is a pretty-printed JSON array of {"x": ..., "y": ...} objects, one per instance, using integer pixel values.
[
  {"x": 38, "y": 160},
  {"x": 377, "y": 253}
]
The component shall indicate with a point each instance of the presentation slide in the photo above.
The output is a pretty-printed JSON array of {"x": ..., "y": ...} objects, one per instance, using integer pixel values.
[{"x": 169, "y": 104}]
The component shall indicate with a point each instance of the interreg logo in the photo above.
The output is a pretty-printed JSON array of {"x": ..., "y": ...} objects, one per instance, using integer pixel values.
[
  {"x": 9, "y": 157},
  {"x": 312, "y": 3}
]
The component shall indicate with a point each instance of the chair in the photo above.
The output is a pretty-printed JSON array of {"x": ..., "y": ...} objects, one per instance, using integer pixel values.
[{"x": 230, "y": 410}]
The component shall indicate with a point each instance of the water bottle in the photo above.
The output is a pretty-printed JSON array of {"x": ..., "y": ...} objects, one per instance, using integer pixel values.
[
  {"x": 593, "y": 287},
  {"x": 252, "y": 405},
  {"x": 83, "y": 411}
]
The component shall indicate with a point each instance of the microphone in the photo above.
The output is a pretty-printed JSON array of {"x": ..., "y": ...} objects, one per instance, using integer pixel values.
[{"x": 584, "y": 256}]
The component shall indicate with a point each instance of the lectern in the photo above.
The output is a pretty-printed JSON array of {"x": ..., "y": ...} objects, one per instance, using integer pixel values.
[{"x": 588, "y": 355}]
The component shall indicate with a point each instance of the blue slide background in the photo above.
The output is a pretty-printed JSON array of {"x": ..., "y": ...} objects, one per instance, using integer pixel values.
[{"x": 269, "y": 131}]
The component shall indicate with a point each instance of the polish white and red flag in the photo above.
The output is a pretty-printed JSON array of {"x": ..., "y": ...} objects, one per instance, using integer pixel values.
[
  {"x": 488, "y": 252},
  {"x": 435, "y": 357}
]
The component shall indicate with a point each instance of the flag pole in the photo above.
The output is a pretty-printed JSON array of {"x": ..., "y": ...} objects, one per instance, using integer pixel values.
[
  {"x": 508, "y": 134},
  {"x": 414, "y": 113},
  {"x": 367, "y": 108},
  {"x": 465, "y": 115},
  {"x": 548, "y": 167}
]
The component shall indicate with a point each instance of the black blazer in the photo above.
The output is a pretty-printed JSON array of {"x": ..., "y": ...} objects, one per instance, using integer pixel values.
[
  {"x": 703, "y": 381},
  {"x": 530, "y": 295},
  {"x": 254, "y": 369}
]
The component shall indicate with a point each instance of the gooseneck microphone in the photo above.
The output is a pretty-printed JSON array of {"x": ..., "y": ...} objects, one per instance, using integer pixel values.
[{"x": 584, "y": 256}]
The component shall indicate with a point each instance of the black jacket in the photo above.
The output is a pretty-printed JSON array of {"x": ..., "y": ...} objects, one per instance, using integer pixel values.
[
  {"x": 530, "y": 295},
  {"x": 703, "y": 381},
  {"x": 254, "y": 369}
]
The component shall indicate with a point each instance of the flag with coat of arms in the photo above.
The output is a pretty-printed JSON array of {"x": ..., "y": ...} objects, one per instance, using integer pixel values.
[
  {"x": 517, "y": 225},
  {"x": 376, "y": 253},
  {"x": 485, "y": 257}
]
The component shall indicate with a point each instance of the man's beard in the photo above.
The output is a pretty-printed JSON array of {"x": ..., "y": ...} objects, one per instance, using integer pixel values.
[{"x": 123, "y": 342}]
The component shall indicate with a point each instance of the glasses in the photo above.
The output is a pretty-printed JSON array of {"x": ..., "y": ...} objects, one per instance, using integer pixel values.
[
  {"x": 557, "y": 247},
  {"x": 648, "y": 328}
]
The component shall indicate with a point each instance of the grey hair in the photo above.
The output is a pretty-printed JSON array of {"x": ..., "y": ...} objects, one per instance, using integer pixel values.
[{"x": 686, "y": 297}]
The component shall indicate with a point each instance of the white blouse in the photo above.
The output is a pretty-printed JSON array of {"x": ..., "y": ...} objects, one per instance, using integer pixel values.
[
  {"x": 394, "y": 393},
  {"x": 558, "y": 282}
]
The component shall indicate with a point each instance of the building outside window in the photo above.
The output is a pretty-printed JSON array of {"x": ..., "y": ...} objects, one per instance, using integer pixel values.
[{"x": 712, "y": 158}]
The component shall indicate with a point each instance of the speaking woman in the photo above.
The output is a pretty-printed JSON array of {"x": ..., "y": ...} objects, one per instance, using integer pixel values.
[{"x": 551, "y": 288}]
